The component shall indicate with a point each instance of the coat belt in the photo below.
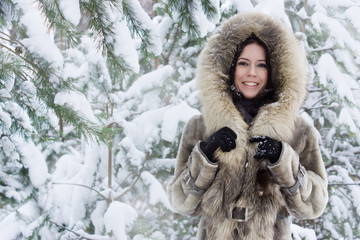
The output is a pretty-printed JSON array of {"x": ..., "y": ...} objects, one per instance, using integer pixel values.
[{"x": 240, "y": 214}]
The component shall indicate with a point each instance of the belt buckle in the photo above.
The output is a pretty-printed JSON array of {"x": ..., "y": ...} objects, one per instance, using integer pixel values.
[{"x": 238, "y": 214}]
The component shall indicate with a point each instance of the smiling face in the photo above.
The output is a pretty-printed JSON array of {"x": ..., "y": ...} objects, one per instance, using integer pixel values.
[{"x": 251, "y": 73}]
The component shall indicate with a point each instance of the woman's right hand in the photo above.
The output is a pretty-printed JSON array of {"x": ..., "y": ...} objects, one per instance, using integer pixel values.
[{"x": 223, "y": 138}]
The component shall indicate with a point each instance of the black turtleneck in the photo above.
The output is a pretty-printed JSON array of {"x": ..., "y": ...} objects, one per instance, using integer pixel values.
[{"x": 250, "y": 107}]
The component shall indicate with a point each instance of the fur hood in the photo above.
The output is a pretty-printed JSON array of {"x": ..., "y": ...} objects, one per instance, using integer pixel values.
[{"x": 288, "y": 76}]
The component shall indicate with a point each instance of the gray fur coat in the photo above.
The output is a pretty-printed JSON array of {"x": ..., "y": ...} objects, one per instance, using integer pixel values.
[{"x": 237, "y": 180}]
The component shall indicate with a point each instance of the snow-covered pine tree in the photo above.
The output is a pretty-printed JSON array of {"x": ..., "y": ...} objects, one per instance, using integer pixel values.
[
  {"x": 29, "y": 82},
  {"x": 71, "y": 75},
  {"x": 44, "y": 79},
  {"x": 331, "y": 33},
  {"x": 161, "y": 102}
]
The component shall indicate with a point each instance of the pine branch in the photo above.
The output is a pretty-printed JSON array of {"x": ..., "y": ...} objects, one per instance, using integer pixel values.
[
  {"x": 103, "y": 28},
  {"x": 175, "y": 39},
  {"x": 81, "y": 125},
  {"x": 13, "y": 41},
  {"x": 344, "y": 195},
  {"x": 69, "y": 230},
  {"x": 120, "y": 195},
  {"x": 186, "y": 15},
  {"x": 12, "y": 51},
  {"x": 320, "y": 49},
  {"x": 81, "y": 185},
  {"x": 46, "y": 92},
  {"x": 298, "y": 15},
  {"x": 137, "y": 27},
  {"x": 56, "y": 20},
  {"x": 9, "y": 6},
  {"x": 344, "y": 184},
  {"x": 128, "y": 188},
  {"x": 107, "y": 94},
  {"x": 209, "y": 9}
]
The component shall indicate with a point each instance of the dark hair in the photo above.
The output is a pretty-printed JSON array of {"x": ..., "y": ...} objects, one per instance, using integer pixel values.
[{"x": 251, "y": 39}]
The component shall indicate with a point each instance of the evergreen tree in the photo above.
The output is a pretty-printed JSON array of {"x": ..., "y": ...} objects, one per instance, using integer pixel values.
[
  {"x": 77, "y": 99},
  {"x": 330, "y": 31},
  {"x": 94, "y": 96}
]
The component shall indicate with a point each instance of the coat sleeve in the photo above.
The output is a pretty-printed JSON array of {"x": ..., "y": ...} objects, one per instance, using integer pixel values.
[
  {"x": 194, "y": 173},
  {"x": 310, "y": 199}
]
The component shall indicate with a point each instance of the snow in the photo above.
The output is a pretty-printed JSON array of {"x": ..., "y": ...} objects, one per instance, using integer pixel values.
[
  {"x": 8, "y": 146},
  {"x": 125, "y": 46},
  {"x": 76, "y": 101},
  {"x": 34, "y": 160},
  {"x": 339, "y": 209},
  {"x": 157, "y": 192},
  {"x": 274, "y": 8},
  {"x": 97, "y": 216},
  {"x": 143, "y": 130},
  {"x": 19, "y": 115},
  {"x": 118, "y": 217},
  {"x": 67, "y": 167},
  {"x": 128, "y": 149},
  {"x": 29, "y": 213},
  {"x": 148, "y": 24},
  {"x": 163, "y": 27},
  {"x": 205, "y": 25},
  {"x": 346, "y": 58},
  {"x": 180, "y": 113},
  {"x": 242, "y": 6},
  {"x": 8, "y": 83},
  {"x": 353, "y": 15},
  {"x": 4, "y": 94},
  {"x": 329, "y": 73},
  {"x": 39, "y": 41},
  {"x": 73, "y": 172},
  {"x": 337, "y": 3},
  {"x": 28, "y": 88},
  {"x": 10, "y": 227},
  {"x": 299, "y": 233},
  {"x": 346, "y": 119},
  {"x": 149, "y": 81},
  {"x": 338, "y": 34},
  {"x": 5, "y": 118},
  {"x": 70, "y": 10}
]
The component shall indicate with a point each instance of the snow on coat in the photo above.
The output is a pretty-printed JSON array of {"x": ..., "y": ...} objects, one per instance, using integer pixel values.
[{"x": 238, "y": 180}]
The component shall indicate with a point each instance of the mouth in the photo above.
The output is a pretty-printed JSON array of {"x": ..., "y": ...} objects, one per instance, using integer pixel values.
[{"x": 251, "y": 84}]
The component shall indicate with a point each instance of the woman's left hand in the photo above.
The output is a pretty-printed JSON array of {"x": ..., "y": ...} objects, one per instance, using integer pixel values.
[{"x": 267, "y": 148}]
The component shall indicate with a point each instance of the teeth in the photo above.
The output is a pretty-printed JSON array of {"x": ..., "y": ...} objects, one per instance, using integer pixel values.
[{"x": 251, "y": 84}]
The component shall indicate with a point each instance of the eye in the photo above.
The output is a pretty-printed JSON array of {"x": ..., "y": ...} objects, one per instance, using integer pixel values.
[
  {"x": 262, "y": 65},
  {"x": 242, "y": 63}
]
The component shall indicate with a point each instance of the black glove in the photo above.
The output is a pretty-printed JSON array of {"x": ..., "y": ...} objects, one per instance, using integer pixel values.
[
  {"x": 267, "y": 148},
  {"x": 224, "y": 138}
]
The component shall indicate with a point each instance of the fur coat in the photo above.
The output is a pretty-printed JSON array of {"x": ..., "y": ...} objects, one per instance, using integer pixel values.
[{"x": 237, "y": 180}]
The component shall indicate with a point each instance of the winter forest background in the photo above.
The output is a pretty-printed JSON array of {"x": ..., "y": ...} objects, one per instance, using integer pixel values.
[{"x": 94, "y": 95}]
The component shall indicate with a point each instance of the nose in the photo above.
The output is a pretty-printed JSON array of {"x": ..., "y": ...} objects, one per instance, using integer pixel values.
[{"x": 252, "y": 70}]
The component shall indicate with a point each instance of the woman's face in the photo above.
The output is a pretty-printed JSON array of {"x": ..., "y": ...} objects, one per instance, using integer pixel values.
[{"x": 251, "y": 74}]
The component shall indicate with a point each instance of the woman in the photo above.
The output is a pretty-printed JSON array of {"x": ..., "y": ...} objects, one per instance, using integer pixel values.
[{"x": 250, "y": 161}]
